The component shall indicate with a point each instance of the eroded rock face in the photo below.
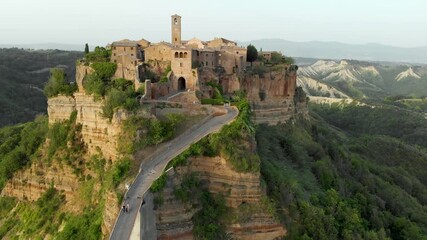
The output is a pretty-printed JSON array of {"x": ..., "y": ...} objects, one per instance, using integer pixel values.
[
  {"x": 97, "y": 131},
  {"x": 220, "y": 178},
  {"x": 271, "y": 95},
  {"x": 110, "y": 212},
  {"x": 215, "y": 174},
  {"x": 31, "y": 183},
  {"x": 81, "y": 72}
]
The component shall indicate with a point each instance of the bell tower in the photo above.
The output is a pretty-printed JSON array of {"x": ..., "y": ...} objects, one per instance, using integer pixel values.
[{"x": 176, "y": 30}]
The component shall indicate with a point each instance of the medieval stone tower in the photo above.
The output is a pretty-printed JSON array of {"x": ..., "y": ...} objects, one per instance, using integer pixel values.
[{"x": 176, "y": 30}]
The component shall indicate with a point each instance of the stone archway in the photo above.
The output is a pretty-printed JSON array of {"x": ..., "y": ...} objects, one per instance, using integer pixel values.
[{"x": 181, "y": 84}]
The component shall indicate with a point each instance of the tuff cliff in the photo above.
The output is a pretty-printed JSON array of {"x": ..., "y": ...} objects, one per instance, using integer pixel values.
[
  {"x": 98, "y": 132},
  {"x": 271, "y": 94},
  {"x": 248, "y": 215}
]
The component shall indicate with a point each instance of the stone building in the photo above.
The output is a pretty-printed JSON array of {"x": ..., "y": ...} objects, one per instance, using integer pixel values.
[{"x": 184, "y": 58}]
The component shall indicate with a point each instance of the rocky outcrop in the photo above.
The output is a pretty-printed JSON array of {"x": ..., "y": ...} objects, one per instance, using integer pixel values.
[
  {"x": 81, "y": 72},
  {"x": 220, "y": 178},
  {"x": 271, "y": 95},
  {"x": 174, "y": 217},
  {"x": 97, "y": 131},
  {"x": 31, "y": 183}
]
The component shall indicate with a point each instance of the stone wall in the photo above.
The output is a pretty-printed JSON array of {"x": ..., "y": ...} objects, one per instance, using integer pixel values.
[
  {"x": 158, "y": 52},
  {"x": 232, "y": 59}
]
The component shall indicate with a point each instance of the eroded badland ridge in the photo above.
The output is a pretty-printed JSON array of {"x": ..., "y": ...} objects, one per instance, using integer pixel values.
[{"x": 133, "y": 95}]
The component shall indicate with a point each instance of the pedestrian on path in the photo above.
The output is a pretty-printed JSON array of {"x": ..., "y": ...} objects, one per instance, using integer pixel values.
[
  {"x": 123, "y": 208},
  {"x": 127, "y": 207}
]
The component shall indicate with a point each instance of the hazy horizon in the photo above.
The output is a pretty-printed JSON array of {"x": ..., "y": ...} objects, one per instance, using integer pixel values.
[{"x": 392, "y": 23}]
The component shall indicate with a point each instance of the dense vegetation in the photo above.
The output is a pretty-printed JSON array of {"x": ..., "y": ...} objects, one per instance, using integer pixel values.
[
  {"x": 18, "y": 144},
  {"x": 381, "y": 120},
  {"x": 233, "y": 143},
  {"x": 117, "y": 92},
  {"x": 140, "y": 132},
  {"x": 57, "y": 84},
  {"x": 360, "y": 182}
]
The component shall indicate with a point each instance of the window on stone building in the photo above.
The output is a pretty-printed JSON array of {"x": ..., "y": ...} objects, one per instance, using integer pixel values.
[
  {"x": 131, "y": 48},
  {"x": 237, "y": 52},
  {"x": 176, "y": 39},
  {"x": 115, "y": 60},
  {"x": 207, "y": 64},
  {"x": 181, "y": 55},
  {"x": 207, "y": 55},
  {"x": 131, "y": 54},
  {"x": 176, "y": 54},
  {"x": 185, "y": 55},
  {"x": 114, "y": 48},
  {"x": 114, "y": 54},
  {"x": 180, "y": 64}
]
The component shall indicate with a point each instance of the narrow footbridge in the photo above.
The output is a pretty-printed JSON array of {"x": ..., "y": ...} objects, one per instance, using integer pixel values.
[{"x": 127, "y": 224}]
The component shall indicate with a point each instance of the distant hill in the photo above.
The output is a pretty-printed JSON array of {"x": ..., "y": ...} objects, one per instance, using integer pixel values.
[
  {"x": 336, "y": 50},
  {"x": 358, "y": 79},
  {"x": 44, "y": 46},
  {"x": 23, "y": 74}
]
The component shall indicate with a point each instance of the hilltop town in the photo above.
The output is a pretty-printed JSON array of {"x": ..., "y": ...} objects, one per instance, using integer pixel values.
[{"x": 189, "y": 70}]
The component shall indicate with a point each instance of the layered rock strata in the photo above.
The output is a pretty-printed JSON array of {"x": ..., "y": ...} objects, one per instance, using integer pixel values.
[
  {"x": 215, "y": 174},
  {"x": 271, "y": 95},
  {"x": 97, "y": 131}
]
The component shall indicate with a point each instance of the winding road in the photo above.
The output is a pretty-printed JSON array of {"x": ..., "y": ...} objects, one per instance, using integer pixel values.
[{"x": 154, "y": 167}]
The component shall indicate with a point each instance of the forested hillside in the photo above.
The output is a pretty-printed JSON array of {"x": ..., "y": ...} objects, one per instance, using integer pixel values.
[
  {"x": 348, "y": 173},
  {"x": 23, "y": 74}
]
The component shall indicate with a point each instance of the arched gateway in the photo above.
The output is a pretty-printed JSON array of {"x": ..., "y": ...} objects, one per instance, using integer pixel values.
[{"x": 181, "y": 84}]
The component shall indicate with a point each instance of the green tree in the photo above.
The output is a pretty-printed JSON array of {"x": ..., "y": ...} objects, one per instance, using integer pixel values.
[
  {"x": 86, "y": 48},
  {"x": 251, "y": 54},
  {"x": 57, "y": 84}
]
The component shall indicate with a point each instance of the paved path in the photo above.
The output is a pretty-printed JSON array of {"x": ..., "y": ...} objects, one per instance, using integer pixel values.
[{"x": 154, "y": 167}]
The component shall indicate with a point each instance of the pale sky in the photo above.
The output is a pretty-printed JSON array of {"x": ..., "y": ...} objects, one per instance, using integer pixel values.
[{"x": 392, "y": 22}]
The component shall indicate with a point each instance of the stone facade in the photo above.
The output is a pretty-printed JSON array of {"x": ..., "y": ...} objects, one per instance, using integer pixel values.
[
  {"x": 158, "y": 52},
  {"x": 184, "y": 57}
]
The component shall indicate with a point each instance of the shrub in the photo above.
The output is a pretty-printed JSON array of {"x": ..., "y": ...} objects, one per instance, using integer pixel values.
[
  {"x": 18, "y": 144},
  {"x": 99, "y": 54},
  {"x": 85, "y": 226},
  {"x": 205, "y": 221},
  {"x": 155, "y": 132},
  {"x": 94, "y": 85},
  {"x": 159, "y": 183},
  {"x": 120, "y": 169},
  {"x": 57, "y": 84},
  {"x": 104, "y": 70}
]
